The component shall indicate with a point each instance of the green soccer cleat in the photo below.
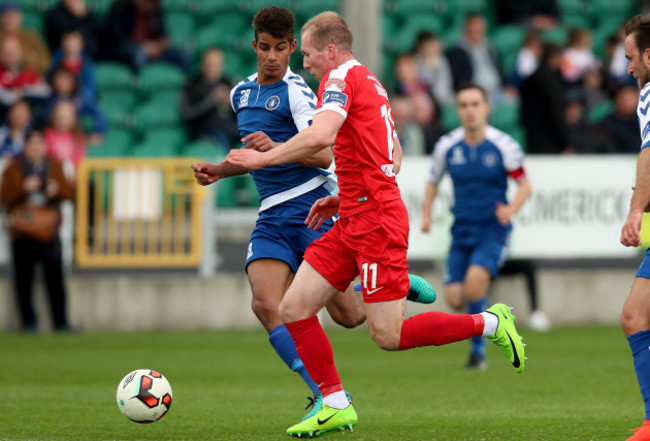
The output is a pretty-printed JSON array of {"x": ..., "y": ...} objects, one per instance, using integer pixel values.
[
  {"x": 420, "y": 290},
  {"x": 316, "y": 404},
  {"x": 326, "y": 421},
  {"x": 507, "y": 338}
]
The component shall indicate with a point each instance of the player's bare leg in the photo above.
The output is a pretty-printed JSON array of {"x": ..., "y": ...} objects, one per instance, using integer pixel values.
[
  {"x": 346, "y": 308},
  {"x": 475, "y": 288},
  {"x": 635, "y": 321},
  {"x": 454, "y": 296}
]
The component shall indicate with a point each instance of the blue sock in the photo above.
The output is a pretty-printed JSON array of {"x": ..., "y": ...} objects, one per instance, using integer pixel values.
[
  {"x": 640, "y": 345},
  {"x": 283, "y": 344},
  {"x": 477, "y": 307}
]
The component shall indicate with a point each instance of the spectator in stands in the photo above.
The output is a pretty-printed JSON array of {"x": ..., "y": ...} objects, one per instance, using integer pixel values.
[
  {"x": 621, "y": 127},
  {"x": 17, "y": 81},
  {"x": 35, "y": 178},
  {"x": 528, "y": 57},
  {"x": 543, "y": 106},
  {"x": 433, "y": 68},
  {"x": 73, "y": 15},
  {"x": 424, "y": 114},
  {"x": 409, "y": 133},
  {"x": 593, "y": 90},
  {"x": 407, "y": 79},
  {"x": 14, "y": 131},
  {"x": 539, "y": 15},
  {"x": 582, "y": 136},
  {"x": 64, "y": 137},
  {"x": 72, "y": 57},
  {"x": 65, "y": 88},
  {"x": 205, "y": 102},
  {"x": 474, "y": 59},
  {"x": 36, "y": 54},
  {"x": 615, "y": 61},
  {"x": 138, "y": 36},
  {"x": 578, "y": 58}
]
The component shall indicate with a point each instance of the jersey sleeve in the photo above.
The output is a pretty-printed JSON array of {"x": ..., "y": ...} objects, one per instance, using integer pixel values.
[
  {"x": 644, "y": 116},
  {"x": 438, "y": 162},
  {"x": 335, "y": 93},
  {"x": 232, "y": 95},
  {"x": 302, "y": 102}
]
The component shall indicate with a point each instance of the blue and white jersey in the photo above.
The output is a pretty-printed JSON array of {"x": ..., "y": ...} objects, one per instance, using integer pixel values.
[
  {"x": 280, "y": 110},
  {"x": 644, "y": 116},
  {"x": 479, "y": 173}
]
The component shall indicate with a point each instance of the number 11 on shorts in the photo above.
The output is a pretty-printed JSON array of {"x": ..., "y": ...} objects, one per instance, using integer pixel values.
[{"x": 372, "y": 268}]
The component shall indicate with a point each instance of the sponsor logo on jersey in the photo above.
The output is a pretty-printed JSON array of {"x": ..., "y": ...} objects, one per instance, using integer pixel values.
[
  {"x": 381, "y": 91},
  {"x": 334, "y": 97},
  {"x": 363, "y": 199},
  {"x": 335, "y": 84},
  {"x": 457, "y": 156},
  {"x": 249, "y": 254},
  {"x": 272, "y": 103},
  {"x": 388, "y": 169},
  {"x": 489, "y": 159},
  {"x": 243, "y": 100},
  {"x": 646, "y": 129}
]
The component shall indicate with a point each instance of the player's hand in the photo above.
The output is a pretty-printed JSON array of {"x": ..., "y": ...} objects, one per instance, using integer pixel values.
[
  {"x": 426, "y": 222},
  {"x": 631, "y": 231},
  {"x": 504, "y": 213},
  {"x": 205, "y": 173},
  {"x": 323, "y": 209},
  {"x": 259, "y": 141},
  {"x": 251, "y": 159}
]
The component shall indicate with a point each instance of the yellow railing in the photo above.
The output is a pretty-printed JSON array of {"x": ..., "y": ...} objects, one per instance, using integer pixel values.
[{"x": 138, "y": 213}]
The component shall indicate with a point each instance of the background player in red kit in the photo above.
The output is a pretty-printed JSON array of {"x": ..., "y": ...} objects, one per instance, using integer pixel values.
[{"x": 370, "y": 238}]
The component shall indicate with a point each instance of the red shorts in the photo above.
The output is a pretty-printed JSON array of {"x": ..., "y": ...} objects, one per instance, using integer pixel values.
[{"x": 372, "y": 244}]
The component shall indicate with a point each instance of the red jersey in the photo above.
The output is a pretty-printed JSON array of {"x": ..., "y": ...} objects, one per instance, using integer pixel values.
[
  {"x": 363, "y": 149},
  {"x": 18, "y": 80}
]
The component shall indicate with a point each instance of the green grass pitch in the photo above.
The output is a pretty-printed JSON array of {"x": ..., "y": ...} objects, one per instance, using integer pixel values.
[{"x": 579, "y": 384}]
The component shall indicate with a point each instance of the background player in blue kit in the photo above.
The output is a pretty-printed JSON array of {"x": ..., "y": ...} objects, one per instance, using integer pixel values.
[
  {"x": 271, "y": 106},
  {"x": 635, "y": 319},
  {"x": 479, "y": 159}
]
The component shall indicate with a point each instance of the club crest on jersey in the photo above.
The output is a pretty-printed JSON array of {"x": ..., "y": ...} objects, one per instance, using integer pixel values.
[
  {"x": 335, "y": 97},
  {"x": 243, "y": 100},
  {"x": 489, "y": 159},
  {"x": 272, "y": 103},
  {"x": 336, "y": 84},
  {"x": 457, "y": 156}
]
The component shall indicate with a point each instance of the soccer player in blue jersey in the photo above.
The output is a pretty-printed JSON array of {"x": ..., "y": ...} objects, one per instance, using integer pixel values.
[
  {"x": 271, "y": 106},
  {"x": 479, "y": 159},
  {"x": 635, "y": 318}
]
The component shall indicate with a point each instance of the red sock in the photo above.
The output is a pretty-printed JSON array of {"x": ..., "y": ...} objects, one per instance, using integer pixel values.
[
  {"x": 438, "y": 328},
  {"x": 315, "y": 351}
]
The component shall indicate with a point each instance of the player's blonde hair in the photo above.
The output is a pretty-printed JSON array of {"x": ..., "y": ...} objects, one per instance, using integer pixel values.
[{"x": 329, "y": 28}]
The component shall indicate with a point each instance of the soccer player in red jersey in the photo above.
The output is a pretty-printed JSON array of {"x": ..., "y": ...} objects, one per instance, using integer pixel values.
[{"x": 370, "y": 238}]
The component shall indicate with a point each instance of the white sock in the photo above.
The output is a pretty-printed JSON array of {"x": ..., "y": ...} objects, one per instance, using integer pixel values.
[
  {"x": 491, "y": 323},
  {"x": 337, "y": 400}
]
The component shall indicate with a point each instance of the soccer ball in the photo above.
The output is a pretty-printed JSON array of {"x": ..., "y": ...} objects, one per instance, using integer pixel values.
[{"x": 144, "y": 396}]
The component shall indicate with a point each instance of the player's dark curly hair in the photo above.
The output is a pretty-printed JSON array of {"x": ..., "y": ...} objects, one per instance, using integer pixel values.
[
  {"x": 276, "y": 21},
  {"x": 639, "y": 25}
]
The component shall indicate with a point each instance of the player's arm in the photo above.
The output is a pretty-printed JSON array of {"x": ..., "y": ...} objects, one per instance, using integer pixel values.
[
  {"x": 321, "y": 134},
  {"x": 504, "y": 212},
  {"x": 430, "y": 193},
  {"x": 206, "y": 173},
  {"x": 631, "y": 232},
  {"x": 397, "y": 154}
]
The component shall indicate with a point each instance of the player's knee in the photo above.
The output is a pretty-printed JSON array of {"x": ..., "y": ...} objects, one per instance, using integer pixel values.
[
  {"x": 265, "y": 309},
  {"x": 351, "y": 319},
  {"x": 628, "y": 322},
  {"x": 386, "y": 340},
  {"x": 288, "y": 312}
]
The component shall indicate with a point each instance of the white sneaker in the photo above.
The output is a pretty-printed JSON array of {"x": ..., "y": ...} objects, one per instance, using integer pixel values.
[{"x": 539, "y": 322}]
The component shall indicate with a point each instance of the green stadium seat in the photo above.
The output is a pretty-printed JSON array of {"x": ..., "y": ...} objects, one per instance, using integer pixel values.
[
  {"x": 225, "y": 195},
  {"x": 117, "y": 115},
  {"x": 247, "y": 194},
  {"x": 508, "y": 39},
  {"x": 575, "y": 21},
  {"x": 117, "y": 142},
  {"x": 34, "y": 21},
  {"x": 603, "y": 11},
  {"x": 181, "y": 29},
  {"x": 151, "y": 115},
  {"x": 599, "y": 111},
  {"x": 179, "y": 5},
  {"x": 158, "y": 77},
  {"x": 449, "y": 118},
  {"x": 406, "y": 37},
  {"x": 204, "y": 150},
  {"x": 207, "y": 9},
  {"x": 413, "y": 8},
  {"x": 100, "y": 7},
  {"x": 556, "y": 35},
  {"x": 309, "y": 8},
  {"x": 34, "y": 5},
  {"x": 174, "y": 136},
  {"x": 124, "y": 98},
  {"x": 152, "y": 150},
  {"x": 111, "y": 75},
  {"x": 170, "y": 98},
  {"x": 255, "y": 5},
  {"x": 519, "y": 135},
  {"x": 237, "y": 66},
  {"x": 227, "y": 31},
  {"x": 505, "y": 117},
  {"x": 577, "y": 7}
]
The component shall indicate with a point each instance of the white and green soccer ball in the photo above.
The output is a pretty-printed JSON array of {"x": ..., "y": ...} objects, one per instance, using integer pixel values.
[{"x": 144, "y": 396}]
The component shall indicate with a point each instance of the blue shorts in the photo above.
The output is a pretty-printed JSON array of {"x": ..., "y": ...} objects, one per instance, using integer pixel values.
[
  {"x": 280, "y": 232},
  {"x": 644, "y": 269},
  {"x": 486, "y": 244}
]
